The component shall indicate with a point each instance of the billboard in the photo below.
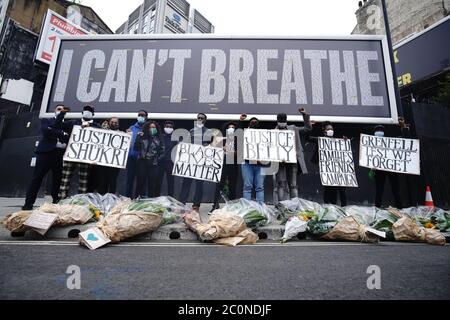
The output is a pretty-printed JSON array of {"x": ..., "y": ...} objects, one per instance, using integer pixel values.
[
  {"x": 54, "y": 26},
  {"x": 431, "y": 47},
  {"x": 345, "y": 79}
]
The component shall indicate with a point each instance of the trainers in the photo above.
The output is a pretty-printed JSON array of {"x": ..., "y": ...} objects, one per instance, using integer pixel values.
[
  {"x": 27, "y": 208},
  {"x": 196, "y": 208}
]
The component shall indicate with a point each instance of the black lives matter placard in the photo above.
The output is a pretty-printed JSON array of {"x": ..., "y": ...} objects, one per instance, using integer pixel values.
[
  {"x": 390, "y": 154},
  {"x": 198, "y": 162},
  {"x": 270, "y": 145},
  {"x": 98, "y": 146},
  {"x": 343, "y": 79},
  {"x": 336, "y": 164}
]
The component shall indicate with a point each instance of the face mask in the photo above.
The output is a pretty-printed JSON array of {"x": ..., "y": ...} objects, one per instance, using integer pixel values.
[
  {"x": 253, "y": 124},
  {"x": 168, "y": 130},
  {"x": 200, "y": 123},
  {"x": 329, "y": 133},
  {"x": 87, "y": 115},
  {"x": 282, "y": 124},
  {"x": 153, "y": 131},
  {"x": 57, "y": 113},
  {"x": 114, "y": 127},
  {"x": 105, "y": 126},
  {"x": 140, "y": 119},
  {"x": 230, "y": 131},
  {"x": 379, "y": 134}
]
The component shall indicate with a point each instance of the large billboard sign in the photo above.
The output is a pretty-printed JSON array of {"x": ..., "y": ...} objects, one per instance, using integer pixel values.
[
  {"x": 424, "y": 54},
  {"x": 345, "y": 79},
  {"x": 53, "y": 28}
]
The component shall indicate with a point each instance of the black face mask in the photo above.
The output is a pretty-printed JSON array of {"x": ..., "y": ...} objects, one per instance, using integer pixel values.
[
  {"x": 253, "y": 125},
  {"x": 114, "y": 127}
]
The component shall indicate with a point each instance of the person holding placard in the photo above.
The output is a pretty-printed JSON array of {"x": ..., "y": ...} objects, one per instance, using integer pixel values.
[
  {"x": 167, "y": 162},
  {"x": 330, "y": 193},
  {"x": 230, "y": 167},
  {"x": 49, "y": 156},
  {"x": 286, "y": 177},
  {"x": 203, "y": 136},
  {"x": 107, "y": 176},
  {"x": 150, "y": 147},
  {"x": 252, "y": 176},
  {"x": 135, "y": 129},
  {"x": 84, "y": 169},
  {"x": 381, "y": 176}
]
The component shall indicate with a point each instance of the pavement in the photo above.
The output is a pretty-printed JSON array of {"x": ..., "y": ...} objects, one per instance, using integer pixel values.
[{"x": 189, "y": 269}]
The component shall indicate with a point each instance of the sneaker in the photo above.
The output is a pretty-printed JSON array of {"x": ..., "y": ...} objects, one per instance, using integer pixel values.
[
  {"x": 196, "y": 208},
  {"x": 27, "y": 208}
]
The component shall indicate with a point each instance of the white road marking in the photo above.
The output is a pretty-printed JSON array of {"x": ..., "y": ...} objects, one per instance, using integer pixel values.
[{"x": 197, "y": 244}]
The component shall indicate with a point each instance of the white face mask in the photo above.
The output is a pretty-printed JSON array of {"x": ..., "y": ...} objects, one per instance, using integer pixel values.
[
  {"x": 329, "y": 133},
  {"x": 282, "y": 124},
  {"x": 379, "y": 134},
  {"x": 87, "y": 115},
  {"x": 200, "y": 123},
  {"x": 57, "y": 113},
  {"x": 168, "y": 130},
  {"x": 230, "y": 131}
]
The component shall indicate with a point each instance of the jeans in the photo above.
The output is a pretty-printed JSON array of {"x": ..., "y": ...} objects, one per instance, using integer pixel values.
[
  {"x": 286, "y": 180},
  {"x": 131, "y": 174},
  {"x": 252, "y": 178}
]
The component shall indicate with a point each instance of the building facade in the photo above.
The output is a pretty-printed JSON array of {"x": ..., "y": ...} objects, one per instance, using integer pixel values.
[
  {"x": 23, "y": 78},
  {"x": 165, "y": 16},
  {"x": 406, "y": 17}
]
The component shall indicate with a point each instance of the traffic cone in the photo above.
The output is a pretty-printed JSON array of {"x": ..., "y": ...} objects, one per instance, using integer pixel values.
[{"x": 428, "y": 198}]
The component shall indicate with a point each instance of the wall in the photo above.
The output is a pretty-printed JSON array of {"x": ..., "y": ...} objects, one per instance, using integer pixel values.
[{"x": 406, "y": 17}]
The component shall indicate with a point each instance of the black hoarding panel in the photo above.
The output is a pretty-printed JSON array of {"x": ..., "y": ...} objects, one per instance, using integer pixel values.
[{"x": 423, "y": 55}]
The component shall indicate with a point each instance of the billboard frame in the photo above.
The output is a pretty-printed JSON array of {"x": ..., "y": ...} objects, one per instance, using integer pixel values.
[{"x": 191, "y": 116}]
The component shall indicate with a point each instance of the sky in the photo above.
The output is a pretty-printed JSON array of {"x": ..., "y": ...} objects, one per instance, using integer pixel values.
[{"x": 253, "y": 17}]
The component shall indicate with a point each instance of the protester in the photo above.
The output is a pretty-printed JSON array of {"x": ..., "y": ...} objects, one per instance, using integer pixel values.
[
  {"x": 230, "y": 168},
  {"x": 167, "y": 162},
  {"x": 252, "y": 176},
  {"x": 200, "y": 135},
  {"x": 286, "y": 177},
  {"x": 133, "y": 154},
  {"x": 49, "y": 156},
  {"x": 330, "y": 193},
  {"x": 107, "y": 176},
  {"x": 380, "y": 176},
  {"x": 150, "y": 148},
  {"x": 87, "y": 120}
]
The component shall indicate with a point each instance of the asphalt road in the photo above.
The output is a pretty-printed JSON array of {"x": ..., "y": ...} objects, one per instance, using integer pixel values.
[{"x": 180, "y": 270}]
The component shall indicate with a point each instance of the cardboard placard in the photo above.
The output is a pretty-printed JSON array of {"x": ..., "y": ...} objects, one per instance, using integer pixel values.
[
  {"x": 41, "y": 221},
  {"x": 101, "y": 147},
  {"x": 270, "y": 145},
  {"x": 93, "y": 238},
  {"x": 390, "y": 154},
  {"x": 336, "y": 164},
  {"x": 198, "y": 162}
]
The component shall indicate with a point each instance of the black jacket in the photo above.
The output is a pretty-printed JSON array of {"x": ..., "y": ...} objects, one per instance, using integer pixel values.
[
  {"x": 169, "y": 145},
  {"x": 52, "y": 132},
  {"x": 151, "y": 148}
]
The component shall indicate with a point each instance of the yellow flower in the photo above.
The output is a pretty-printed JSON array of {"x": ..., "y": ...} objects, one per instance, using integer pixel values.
[{"x": 429, "y": 225}]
